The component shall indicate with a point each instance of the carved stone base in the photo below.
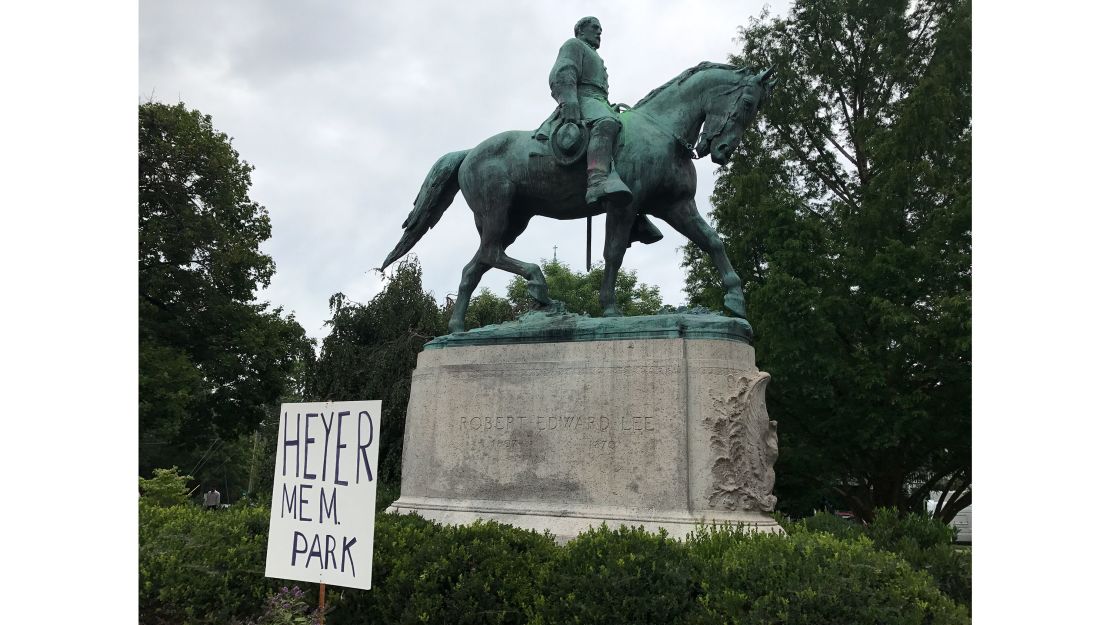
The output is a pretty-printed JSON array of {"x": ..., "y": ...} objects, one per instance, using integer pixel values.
[{"x": 664, "y": 433}]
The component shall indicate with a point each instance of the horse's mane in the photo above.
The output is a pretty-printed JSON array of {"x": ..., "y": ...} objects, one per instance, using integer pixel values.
[{"x": 704, "y": 65}]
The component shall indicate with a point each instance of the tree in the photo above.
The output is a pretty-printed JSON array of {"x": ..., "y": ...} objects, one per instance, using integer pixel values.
[
  {"x": 167, "y": 488},
  {"x": 579, "y": 291},
  {"x": 371, "y": 352},
  {"x": 212, "y": 360},
  {"x": 848, "y": 212}
]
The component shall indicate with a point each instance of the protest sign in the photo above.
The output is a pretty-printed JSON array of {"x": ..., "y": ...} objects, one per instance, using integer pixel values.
[{"x": 325, "y": 486}]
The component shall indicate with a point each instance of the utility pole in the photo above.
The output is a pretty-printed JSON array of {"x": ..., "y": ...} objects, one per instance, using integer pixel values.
[{"x": 555, "y": 254}]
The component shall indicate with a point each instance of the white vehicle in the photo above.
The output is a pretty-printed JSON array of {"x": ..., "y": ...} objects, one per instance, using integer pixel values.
[{"x": 962, "y": 522}]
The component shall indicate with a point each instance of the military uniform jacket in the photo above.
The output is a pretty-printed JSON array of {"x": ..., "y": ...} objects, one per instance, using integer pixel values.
[{"x": 579, "y": 73}]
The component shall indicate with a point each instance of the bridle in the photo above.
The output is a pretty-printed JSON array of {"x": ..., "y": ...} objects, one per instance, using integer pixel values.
[
  {"x": 702, "y": 138},
  {"x": 707, "y": 139}
]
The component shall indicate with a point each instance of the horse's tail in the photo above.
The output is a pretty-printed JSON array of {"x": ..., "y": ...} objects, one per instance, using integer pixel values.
[{"x": 437, "y": 193}]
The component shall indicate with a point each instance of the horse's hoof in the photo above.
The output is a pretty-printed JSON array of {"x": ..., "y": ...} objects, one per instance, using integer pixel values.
[
  {"x": 455, "y": 328},
  {"x": 612, "y": 312},
  {"x": 734, "y": 303}
]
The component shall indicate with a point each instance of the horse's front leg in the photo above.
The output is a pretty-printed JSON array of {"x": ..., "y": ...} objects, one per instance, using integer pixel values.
[
  {"x": 618, "y": 229},
  {"x": 685, "y": 218}
]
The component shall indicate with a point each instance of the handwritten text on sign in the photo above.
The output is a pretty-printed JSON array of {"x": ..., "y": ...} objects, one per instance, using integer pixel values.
[{"x": 325, "y": 486}]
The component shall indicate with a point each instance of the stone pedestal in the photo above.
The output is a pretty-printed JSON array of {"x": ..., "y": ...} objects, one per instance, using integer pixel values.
[{"x": 561, "y": 434}]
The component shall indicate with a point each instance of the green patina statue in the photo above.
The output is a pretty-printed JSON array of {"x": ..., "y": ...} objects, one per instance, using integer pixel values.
[{"x": 516, "y": 175}]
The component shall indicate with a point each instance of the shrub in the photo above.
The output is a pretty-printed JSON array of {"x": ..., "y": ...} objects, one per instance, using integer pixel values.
[
  {"x": 619, "y": 576},
  {"x": 923, "y": 542},
  {"x": 949, "y": 567},
  {"x": 424, "y": 572},
  {"x": 893, "y": 531},
  {"x": 387, "y": 494},
  {"x": 812, "y": 578},
  {"x": 829, "y": 523},
  {"x": 202, "y": 566},
  {"x": 199, "y": 567}
]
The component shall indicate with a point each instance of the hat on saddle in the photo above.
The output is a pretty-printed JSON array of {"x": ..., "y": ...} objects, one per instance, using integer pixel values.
[{"x": 568, "y": 142}]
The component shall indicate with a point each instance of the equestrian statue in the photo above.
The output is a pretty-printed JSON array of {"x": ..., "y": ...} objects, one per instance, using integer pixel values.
[{"x": 638, "y": 162}]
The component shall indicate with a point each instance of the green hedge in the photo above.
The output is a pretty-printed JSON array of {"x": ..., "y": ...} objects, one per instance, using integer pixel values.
[
  {"x": 813, "y": 578},
  {"x": 625, "y": 575},
  {"x": 202, "y": 566},
  {"x": 427, "y": 573},
  {"x": 207, "y": 567},
  {"x": 924, "y": 543}
]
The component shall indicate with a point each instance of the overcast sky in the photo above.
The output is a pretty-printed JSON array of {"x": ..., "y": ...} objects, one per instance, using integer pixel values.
[{"x": 342, "y": 107}]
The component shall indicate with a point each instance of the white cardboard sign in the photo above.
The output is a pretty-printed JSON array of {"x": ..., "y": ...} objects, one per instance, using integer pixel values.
[{"x": 325, "y": 487}]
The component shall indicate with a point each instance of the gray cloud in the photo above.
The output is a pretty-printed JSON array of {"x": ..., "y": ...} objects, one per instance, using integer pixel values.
[{"x": 343, "y": 106}]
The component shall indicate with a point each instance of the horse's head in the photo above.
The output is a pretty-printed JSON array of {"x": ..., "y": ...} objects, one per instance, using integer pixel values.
[{"x": 730, "y": 112}]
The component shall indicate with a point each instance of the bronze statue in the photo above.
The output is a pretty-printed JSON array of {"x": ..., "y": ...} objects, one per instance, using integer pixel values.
[{"x": 513, "y": 176}]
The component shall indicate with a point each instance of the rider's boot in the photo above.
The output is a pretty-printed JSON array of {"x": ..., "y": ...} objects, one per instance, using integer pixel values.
[{"x": 602, "y": 181}]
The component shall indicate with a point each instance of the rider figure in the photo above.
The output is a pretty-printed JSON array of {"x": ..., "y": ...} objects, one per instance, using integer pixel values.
[{"x": 580, "y": 84}]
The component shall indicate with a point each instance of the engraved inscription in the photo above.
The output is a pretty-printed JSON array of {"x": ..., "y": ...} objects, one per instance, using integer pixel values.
[
  {"x": 636, "y": 423},
  {"x": 498, "y": 422},
  {"x": 500, "y": 443}
]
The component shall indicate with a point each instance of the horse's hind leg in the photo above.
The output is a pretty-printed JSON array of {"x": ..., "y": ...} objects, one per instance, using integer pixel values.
[
  {"x": 496, "y": 227},
  {"x": 535, "y": 283},
  {"x": 489, "y": 203},
  {"x": 685, "y": 218},
  {"x": 471, "y": 275}
]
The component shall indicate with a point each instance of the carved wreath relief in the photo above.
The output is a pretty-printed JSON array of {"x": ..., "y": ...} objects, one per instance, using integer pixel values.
[{"x": 745, "y": 443}]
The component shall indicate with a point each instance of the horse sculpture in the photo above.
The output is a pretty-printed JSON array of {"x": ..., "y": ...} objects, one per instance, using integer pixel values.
[{"x": 511, "y": 177}]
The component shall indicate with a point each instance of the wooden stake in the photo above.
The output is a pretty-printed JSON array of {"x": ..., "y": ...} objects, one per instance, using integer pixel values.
[{"x": 321, "y": 603}]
